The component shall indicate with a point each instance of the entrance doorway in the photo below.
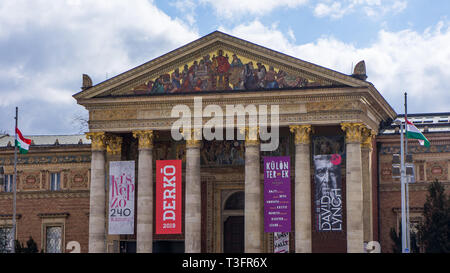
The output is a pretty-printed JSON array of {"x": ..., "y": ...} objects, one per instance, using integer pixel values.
[
  {"x": 233, "y": 235},
  {"x": 233, "y": 223}
]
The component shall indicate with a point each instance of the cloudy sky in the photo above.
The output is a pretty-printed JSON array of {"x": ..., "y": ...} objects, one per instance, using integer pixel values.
[{"x": 46, "y": 46}]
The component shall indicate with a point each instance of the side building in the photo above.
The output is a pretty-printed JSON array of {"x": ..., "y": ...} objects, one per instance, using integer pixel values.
[
  {"x": 430, "y": 164},
  {"x": 52, "y": 200}
]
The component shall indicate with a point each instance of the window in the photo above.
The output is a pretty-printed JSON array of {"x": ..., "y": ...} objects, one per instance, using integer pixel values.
[
  {"x": 8, "y": 183},
  {"x": 55, "y": 184},
  {"x": 6, "y": 239},
  {"x": 53, "y": 239}
]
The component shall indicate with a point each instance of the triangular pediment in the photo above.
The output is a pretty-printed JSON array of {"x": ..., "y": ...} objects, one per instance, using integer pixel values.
[{"x": 218, "y": 62}]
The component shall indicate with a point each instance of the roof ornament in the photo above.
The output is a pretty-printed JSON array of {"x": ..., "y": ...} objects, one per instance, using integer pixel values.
[
  {"x": 87, "y": 82},
  {"x": 360, "y": 71}
]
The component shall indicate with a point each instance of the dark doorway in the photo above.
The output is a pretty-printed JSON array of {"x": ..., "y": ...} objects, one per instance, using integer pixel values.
[
  {"x": 234, "y": 235},
  {"x": 127, "y": 246},
  {"x": 168, "y": 247}
]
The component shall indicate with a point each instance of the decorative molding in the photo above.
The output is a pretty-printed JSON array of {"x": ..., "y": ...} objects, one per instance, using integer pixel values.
[
  {"x": 302, "y": 133},
  {"x": 9, "y": 216},
  {"x": 54, "y": 215},
  {"x": 45, "y": 194}
]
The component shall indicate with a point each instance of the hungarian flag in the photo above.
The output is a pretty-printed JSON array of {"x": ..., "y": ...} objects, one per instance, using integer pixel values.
[
  {"x": 22, "y": 143},
  {"x": 413, "y": 132}
]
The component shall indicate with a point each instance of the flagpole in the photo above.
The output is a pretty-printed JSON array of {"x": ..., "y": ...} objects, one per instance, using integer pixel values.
[
  {"x": 402, "y": 184},
  {"x": 408, "y": 235},
  {"x": 15, "y": 184}
]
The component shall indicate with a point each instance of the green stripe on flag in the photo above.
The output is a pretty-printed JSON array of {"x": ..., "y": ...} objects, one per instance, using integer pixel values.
[
  {"x": 418, "y": 136},
  {"x": 21, "y": 150}
]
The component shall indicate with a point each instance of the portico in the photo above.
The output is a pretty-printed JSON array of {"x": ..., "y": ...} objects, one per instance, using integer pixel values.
[{"x": 321, "y": 111}]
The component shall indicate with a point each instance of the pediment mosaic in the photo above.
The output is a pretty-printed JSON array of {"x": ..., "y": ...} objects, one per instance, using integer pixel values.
[{"x": 222, "y": 70}]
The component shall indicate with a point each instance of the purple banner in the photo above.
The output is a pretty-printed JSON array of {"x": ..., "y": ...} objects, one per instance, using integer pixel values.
[{"x": 277, "y": 194}]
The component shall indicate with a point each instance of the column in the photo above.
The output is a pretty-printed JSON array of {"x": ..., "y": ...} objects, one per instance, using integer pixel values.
[
  {"x": 354, "y": 188},
  {"x": 303, "y": 225},
  {"x": 366, "y": 159},
  {"x": 253, "y": 222},
  {"x": 144, "y": 227},
  {"x": 97, "y": 197},
  {"x": 113, "y": 153},
  {"x": 193, "y": 213}
]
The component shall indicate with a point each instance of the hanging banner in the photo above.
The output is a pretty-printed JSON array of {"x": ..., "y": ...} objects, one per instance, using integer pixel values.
[
  {"x": 281, "y": 242},
  {"x": 121, "y": 197},
  {"x": 168, "y": 197},
  {"x": 277, "y": 194},
  {"x": 328, "y": 192}
]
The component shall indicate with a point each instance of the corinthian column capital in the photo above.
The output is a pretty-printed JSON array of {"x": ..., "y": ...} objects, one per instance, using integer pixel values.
[
  {"x": 114, "y": 144},
  {"x": 367, "y": 137},
  {"x": 251, "y": 135},
  {"x": 353, "y": 131},
  {"x": 145, "y": 138},
  {"x": 193, "y": 137},
  {"x": 97, "y": 140},
  {"x": 301, "y": 133}
]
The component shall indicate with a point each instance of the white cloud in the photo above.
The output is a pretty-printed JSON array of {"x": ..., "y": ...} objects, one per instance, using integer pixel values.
[
  {"x": 336, "y": 9},
  {"x": 229, "y": 9},
  {"x": 397, "y": 62},
  {"x": 45, "y": 46}
]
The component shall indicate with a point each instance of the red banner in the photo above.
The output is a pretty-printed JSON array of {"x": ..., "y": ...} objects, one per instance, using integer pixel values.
[{"x": 168, "y": 197}]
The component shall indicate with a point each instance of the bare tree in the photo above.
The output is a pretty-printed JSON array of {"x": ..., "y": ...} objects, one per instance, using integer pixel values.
[{"x": 81, "y": 122}]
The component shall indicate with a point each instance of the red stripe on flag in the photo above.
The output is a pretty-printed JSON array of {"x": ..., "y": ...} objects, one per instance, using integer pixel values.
[{"x": 26, "y": 140}]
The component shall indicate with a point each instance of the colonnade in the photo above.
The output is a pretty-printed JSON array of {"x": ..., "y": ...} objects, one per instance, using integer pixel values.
[{"x": 358, "y": 190}]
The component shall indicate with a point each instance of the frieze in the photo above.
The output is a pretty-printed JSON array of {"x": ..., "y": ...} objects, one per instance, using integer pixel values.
[
  {"x": 288, "y": 119},
  {"x": 422, "y": 186},
  {"x": 416, "y": 149},
  {"x": 113, "y": 114},
  {"x": 27, "y": 160},
  {"x": 332, "y": 106},
  {"x": 45, "y": 195}
]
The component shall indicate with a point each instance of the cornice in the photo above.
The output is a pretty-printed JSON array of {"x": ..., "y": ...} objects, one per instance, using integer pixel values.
[{"x": 222, "y": 98}]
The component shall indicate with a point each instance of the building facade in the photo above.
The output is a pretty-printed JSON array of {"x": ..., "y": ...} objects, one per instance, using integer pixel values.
[
  {"x": 326, "y": 123},
  {"x": 320, "y": 112},
  {"x": 430, "y": 164},
  {"x": 52, "y": 201}
]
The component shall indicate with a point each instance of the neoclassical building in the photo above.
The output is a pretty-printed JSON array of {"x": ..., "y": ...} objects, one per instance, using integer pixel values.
[{"x": 322, "y": 114}]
